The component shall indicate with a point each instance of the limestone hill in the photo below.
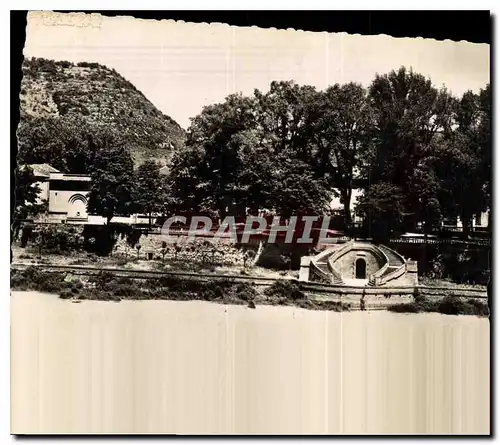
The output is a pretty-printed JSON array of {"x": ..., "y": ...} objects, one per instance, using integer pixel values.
[{"x": 67, "y": 96}]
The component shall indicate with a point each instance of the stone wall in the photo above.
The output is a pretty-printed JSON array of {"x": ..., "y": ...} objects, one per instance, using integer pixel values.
[{"x": 200, "y": 249}]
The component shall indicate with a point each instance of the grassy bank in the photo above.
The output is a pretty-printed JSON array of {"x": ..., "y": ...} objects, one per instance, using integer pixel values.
[
  {"x": 448, "y": 305},
  {"x": 107, "y": 287}
]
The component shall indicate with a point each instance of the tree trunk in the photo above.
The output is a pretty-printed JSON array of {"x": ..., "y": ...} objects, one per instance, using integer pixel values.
[
  {"x": 346, "y": 198},
  {"x": 221, "y": 205},
  {"x": 466, "y": 226}
]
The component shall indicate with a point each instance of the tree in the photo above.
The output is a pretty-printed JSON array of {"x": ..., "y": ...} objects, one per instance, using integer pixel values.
[
  {"x": 465, "y": 160},
  {"x": 63, "y": 143},
  {"x": 149, "y": 194},
  {"x": 298, "y": 192},
  {"x": 186, "y": 179},
  {"x": 66, "y": 144},
  {"x": 409, "y": 115},
  {"x": 205, "y": 175},
  {"x": 343, "y": 132},
  {"x": 26, "y": 203},
  {"x": 256, "y": 180},
  {"x": 111, "y": 183},
  {"x": 484, "y": 139},
  {"x": 287, "y": 117},
  {"x": 383, "y": 209},
  {"x": 252, "y": 153}
]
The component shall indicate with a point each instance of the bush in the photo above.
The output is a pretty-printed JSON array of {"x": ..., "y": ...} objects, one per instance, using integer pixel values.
[
  {"x": 215, "y": 290},
  {"x": 457, "y": 306},
  {"x": 58, "y": 238},
  {"x": 124, "y": 290},
  {"x": 65, "y": 64},
  {"x": 103, "y": 280},
  {"x": 66, "y": 294},
  {"x": 448, "y": 305},
  {"x": 288, "y": 289},
  {"x": 34, "y": 279},
  {"x": 245, "y": 292}
]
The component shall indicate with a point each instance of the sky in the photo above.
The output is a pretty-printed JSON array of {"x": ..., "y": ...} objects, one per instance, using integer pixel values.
[{"x": 181, "y": 67}]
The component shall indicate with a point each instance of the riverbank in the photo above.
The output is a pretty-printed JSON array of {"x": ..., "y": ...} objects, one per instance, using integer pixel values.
[
  {"x": 104, "y": 286},
  {"x": 172, "y": 367},
  {"x": 107, "y": 286}
]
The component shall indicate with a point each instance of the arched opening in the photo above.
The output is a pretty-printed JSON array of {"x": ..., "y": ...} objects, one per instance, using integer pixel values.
[
  {"x": 360, "y": 269},
  {"x": 77, "y": 206}
]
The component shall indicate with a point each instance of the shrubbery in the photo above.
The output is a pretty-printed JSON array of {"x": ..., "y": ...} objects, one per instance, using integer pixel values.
[
  {"x": 448, "y": 305},
  {"x": 108, "y": 287},
  {"x": 287, "y": 289},
  {"x": 57, "y": 238},
  {"x": 32, "y": 278}
]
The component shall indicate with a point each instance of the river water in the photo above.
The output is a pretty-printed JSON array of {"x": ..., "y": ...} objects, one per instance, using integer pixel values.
[{"x": 204, "y": 368}]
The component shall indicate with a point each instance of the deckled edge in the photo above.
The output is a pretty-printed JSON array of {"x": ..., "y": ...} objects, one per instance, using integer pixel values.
[{"x": 94, "y": 20}]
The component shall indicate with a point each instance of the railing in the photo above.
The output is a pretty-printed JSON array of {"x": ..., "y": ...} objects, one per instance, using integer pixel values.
[
  {"x": 318, "y": 273},
  {"x": 419, "y": 240},
  {"x": 334, "y": 271},
  {"x": 397, "y": 271},
  {"x": 340, "y": 251},
  {"x": 375, "y": 278},
  {"x": 381, "y": 255},
  {"x": 336, "y": 255},
  {"x": 387, "y": 250}
]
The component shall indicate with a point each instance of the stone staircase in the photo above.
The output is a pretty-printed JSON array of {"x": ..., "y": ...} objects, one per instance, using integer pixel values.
[
  {"x": 323, "y": 263},
  {"x": 395, "y": 262},
  {"x": 394, "y": 259},
  {"x": 324, "y": 266},
  {"x": 325, "y": 270}
]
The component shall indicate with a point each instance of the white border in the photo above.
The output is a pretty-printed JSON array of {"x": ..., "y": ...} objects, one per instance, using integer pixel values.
[{"x": 161, "y": 5}]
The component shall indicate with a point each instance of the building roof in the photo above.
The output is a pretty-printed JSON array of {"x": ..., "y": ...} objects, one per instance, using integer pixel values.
[
  {"x": 164, "y": 170},
  {"x": 69, "y": 177},
  {"x": 43, "y": 170}
]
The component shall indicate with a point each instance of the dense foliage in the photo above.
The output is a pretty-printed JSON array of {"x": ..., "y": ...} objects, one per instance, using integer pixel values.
[
  {"x": 26, "y": 204},
  {"x": 420, "y": 154}
]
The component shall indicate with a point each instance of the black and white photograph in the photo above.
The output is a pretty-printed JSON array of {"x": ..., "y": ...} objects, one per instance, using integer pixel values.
[{"x": 220, "y": 229}]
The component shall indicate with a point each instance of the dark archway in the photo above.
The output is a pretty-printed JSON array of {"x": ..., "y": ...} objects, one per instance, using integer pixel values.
[{"x": 360, "y": 269}]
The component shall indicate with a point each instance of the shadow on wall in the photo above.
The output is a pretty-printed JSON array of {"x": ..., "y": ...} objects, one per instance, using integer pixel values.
[{"x": 282, "y": 256}]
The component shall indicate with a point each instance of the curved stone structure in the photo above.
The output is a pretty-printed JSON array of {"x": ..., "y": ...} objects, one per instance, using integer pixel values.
[{"x": 359, "y": 264}]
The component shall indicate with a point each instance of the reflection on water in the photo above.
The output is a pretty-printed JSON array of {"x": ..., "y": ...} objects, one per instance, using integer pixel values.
[{"x": 196, "y": 367}]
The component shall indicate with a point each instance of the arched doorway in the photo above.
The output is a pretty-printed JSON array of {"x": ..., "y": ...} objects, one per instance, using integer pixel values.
[{"x": 360, "y": 269}]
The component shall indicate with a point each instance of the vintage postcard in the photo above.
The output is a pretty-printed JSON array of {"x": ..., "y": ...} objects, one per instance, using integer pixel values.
[{"x": 224, "y": 230}]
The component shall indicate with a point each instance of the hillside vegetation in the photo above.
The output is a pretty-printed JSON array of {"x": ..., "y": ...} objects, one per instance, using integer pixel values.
[{"x": 61, "y": 101}]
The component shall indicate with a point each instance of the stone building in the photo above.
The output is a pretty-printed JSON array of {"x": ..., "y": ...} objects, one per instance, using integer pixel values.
[
  {"x": 67, "y": 197},
  {"x": 359, "y": 264},
  {"x": 66, "y": 194}
]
